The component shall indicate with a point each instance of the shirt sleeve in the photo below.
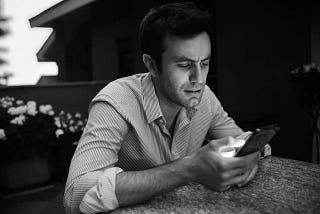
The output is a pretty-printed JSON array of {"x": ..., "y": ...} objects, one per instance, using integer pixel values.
[
  {"x": 221, "y": 125},
  {"x": 97, "y": 151},
  {"x": 101, "y": 197}
]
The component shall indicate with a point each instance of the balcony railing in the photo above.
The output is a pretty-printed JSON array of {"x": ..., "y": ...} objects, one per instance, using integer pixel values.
[{"x": 70, "y": 97}]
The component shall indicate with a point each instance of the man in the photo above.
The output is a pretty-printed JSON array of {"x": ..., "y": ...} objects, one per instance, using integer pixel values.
[{"x": 144, "y": 132}]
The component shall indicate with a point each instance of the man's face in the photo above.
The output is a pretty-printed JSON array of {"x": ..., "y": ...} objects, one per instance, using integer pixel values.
[{"x": 184, "y": 69}]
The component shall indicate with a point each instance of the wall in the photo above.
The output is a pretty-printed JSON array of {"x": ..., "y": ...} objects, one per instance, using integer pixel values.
[
  {"x": 70, "y": 97},
  {"x": 258, "y": 43},
  {"x": 111, "y": 20},
  {"x": 315, "y": 35}
]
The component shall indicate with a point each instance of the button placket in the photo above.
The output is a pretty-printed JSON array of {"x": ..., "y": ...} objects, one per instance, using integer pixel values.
[
  {"x": 174, "y": 152},
  {"x": 175, "y": 155},
  {"x": 162, "y": 123},
  {"x": 180, "y": 140}
]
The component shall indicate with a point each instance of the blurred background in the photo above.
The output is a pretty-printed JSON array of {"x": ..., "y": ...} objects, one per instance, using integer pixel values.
[
  {"x": 20, "y": 43},
  {"x": 63, "y": 52},
  {"x": 264, "y": 69}
]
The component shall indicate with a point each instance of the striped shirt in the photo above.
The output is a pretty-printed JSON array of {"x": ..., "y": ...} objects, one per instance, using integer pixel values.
[{"x": 126, "y": 130}]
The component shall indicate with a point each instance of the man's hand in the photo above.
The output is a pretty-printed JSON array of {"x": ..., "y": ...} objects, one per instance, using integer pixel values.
[
  {"x": 207, "y": 166},
  {"x": 211, "y": 169}
]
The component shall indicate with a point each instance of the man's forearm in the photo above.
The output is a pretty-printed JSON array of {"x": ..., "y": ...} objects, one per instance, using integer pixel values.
[{"x": 137, "y": 186}]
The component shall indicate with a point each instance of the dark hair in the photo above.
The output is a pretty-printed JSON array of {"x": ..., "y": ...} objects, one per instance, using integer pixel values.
[{"x": 183, "y": 20}]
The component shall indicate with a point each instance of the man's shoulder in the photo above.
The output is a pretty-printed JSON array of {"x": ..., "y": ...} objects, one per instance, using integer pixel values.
[
  {"x": 123, "y": 87},
  {"x": 122, "y": 92},
  {"x": 208, "y": 102},
  {"x": 208, "y": 95},
  {"x": 125, "y": 96}
]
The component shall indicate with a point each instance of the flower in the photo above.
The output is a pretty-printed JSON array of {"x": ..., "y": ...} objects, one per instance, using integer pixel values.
[
  {"x": 70, "y": 123},
  {"x": 45, "y": 109},
  {"x": 307, "y": 85},
  {"x": 306, "y": 70},
  {"x": 32, "y": 112},
  {"x": 26, "y": 127},
  {"x": 19, "y": 120},
  {"x": 18, "y": 110},
  {"x": 59, "y": 132},
  {"x": 19, "y": 102},
  {"x": 77, "y": 115},
  {"x": 72, "y": 129},
  {"x": 31, "y": 103},
  {"x": 6, "y": 102},
  {"x": 2, "y": 134},
  {"x": 57, "y": 122}
]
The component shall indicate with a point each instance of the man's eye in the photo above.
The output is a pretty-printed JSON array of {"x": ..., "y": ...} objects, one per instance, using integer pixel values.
[
  {"x": 185, "y": 65},
  {"x": 205, "y": 64}
]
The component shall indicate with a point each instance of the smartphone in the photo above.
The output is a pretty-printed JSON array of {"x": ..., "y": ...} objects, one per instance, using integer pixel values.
[{"x": 258, "y": 139}]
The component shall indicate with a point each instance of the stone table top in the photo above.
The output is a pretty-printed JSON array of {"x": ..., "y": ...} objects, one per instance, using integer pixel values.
[{"x": 280, "y": 186}]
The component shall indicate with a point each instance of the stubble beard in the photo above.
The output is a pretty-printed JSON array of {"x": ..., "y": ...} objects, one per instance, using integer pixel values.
[{"x": 183, "y": 100}]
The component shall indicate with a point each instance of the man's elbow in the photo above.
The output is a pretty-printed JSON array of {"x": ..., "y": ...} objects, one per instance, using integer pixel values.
[
  {"x": 73, "y": 195},
  {"x": 67, "y": 199}
]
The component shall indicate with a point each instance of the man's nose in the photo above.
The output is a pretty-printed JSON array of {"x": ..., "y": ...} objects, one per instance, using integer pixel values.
[{"x": 196, "y": 75}]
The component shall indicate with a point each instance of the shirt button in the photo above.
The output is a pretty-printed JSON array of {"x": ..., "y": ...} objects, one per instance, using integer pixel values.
[
  {"x": 162, "y": 121},
  {"x": 175, "y": 153}
]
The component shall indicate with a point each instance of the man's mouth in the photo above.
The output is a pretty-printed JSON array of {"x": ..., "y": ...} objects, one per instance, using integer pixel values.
[{"x": 193, "y": 91}]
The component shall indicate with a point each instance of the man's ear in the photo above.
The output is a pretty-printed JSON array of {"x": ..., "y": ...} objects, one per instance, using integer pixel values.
[{"x": 150, "y": 64}]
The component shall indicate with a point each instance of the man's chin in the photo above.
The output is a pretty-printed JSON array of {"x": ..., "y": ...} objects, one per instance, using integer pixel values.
[{"x": 194, "y": 102}]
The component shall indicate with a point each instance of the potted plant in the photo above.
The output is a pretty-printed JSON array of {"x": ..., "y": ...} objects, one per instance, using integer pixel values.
[
  {"x": 28, "y": 134},
  {"x": 307, "y": 81}
]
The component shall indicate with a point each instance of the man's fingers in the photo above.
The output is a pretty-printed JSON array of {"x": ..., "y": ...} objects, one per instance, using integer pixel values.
[
  {"x": 222, "y": 189},
  {"x": 240, "y": 176},
  {"x": 227, "y": 172},
  {"x": 237, "y": 179},
  {"x": 247, "y": 161},
  {"x": 234, "y": 173},
  {"x": 250, "y": 177}
]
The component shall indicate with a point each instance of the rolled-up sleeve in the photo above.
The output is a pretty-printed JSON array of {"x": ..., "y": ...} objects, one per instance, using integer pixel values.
[
  {"x": 91, "y": 179},
  {"x": 101, "y": 197}
]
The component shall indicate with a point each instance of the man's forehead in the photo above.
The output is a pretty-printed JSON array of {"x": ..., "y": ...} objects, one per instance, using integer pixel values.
[
  {"x": 184, "y": 58},
  {"x": 188, "y": 48}
]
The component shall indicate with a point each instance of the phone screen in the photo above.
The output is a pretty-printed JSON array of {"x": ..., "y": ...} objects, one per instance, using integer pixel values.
[{"x": 258, "y": 139}]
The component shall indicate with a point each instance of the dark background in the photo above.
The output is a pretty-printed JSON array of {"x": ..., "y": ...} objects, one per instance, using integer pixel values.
[{"x": 255, "y": 46}]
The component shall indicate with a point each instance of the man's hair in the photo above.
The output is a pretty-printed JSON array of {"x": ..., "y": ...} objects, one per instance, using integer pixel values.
[{"x": 182, "y": 20}]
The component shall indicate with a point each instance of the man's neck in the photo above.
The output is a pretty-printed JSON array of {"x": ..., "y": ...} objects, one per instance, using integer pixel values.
[
  {"x": 169, "y": 109},
  {"x": 170, "y": 114}
]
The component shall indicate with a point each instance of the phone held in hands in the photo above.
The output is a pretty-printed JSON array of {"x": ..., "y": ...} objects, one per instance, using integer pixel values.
[{"x": 258, "y": 139}]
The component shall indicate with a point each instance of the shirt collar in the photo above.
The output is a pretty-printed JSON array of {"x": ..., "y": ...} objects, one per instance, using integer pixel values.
[
  {"x": 150, "y": 100},
  {"x": 151, "y": 103}
]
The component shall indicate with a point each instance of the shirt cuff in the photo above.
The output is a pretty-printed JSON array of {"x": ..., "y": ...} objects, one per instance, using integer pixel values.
[
  {"x": 266, "y": 152},
  {"x": 102, "y": 197}
]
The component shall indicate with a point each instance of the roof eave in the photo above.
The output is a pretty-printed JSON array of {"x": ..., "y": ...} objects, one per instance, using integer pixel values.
[
  {"x": 56, "y": 11},
  {"x": 44, "y": 50}
]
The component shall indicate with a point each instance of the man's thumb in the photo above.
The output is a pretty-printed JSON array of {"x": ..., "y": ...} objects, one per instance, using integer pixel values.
[{"x": 219, "y": 144}]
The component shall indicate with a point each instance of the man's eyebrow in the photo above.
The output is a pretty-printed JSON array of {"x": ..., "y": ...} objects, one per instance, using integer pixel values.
[
  {"x": 207, "y": 58},
  {"x": 183, "y": 59}
]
